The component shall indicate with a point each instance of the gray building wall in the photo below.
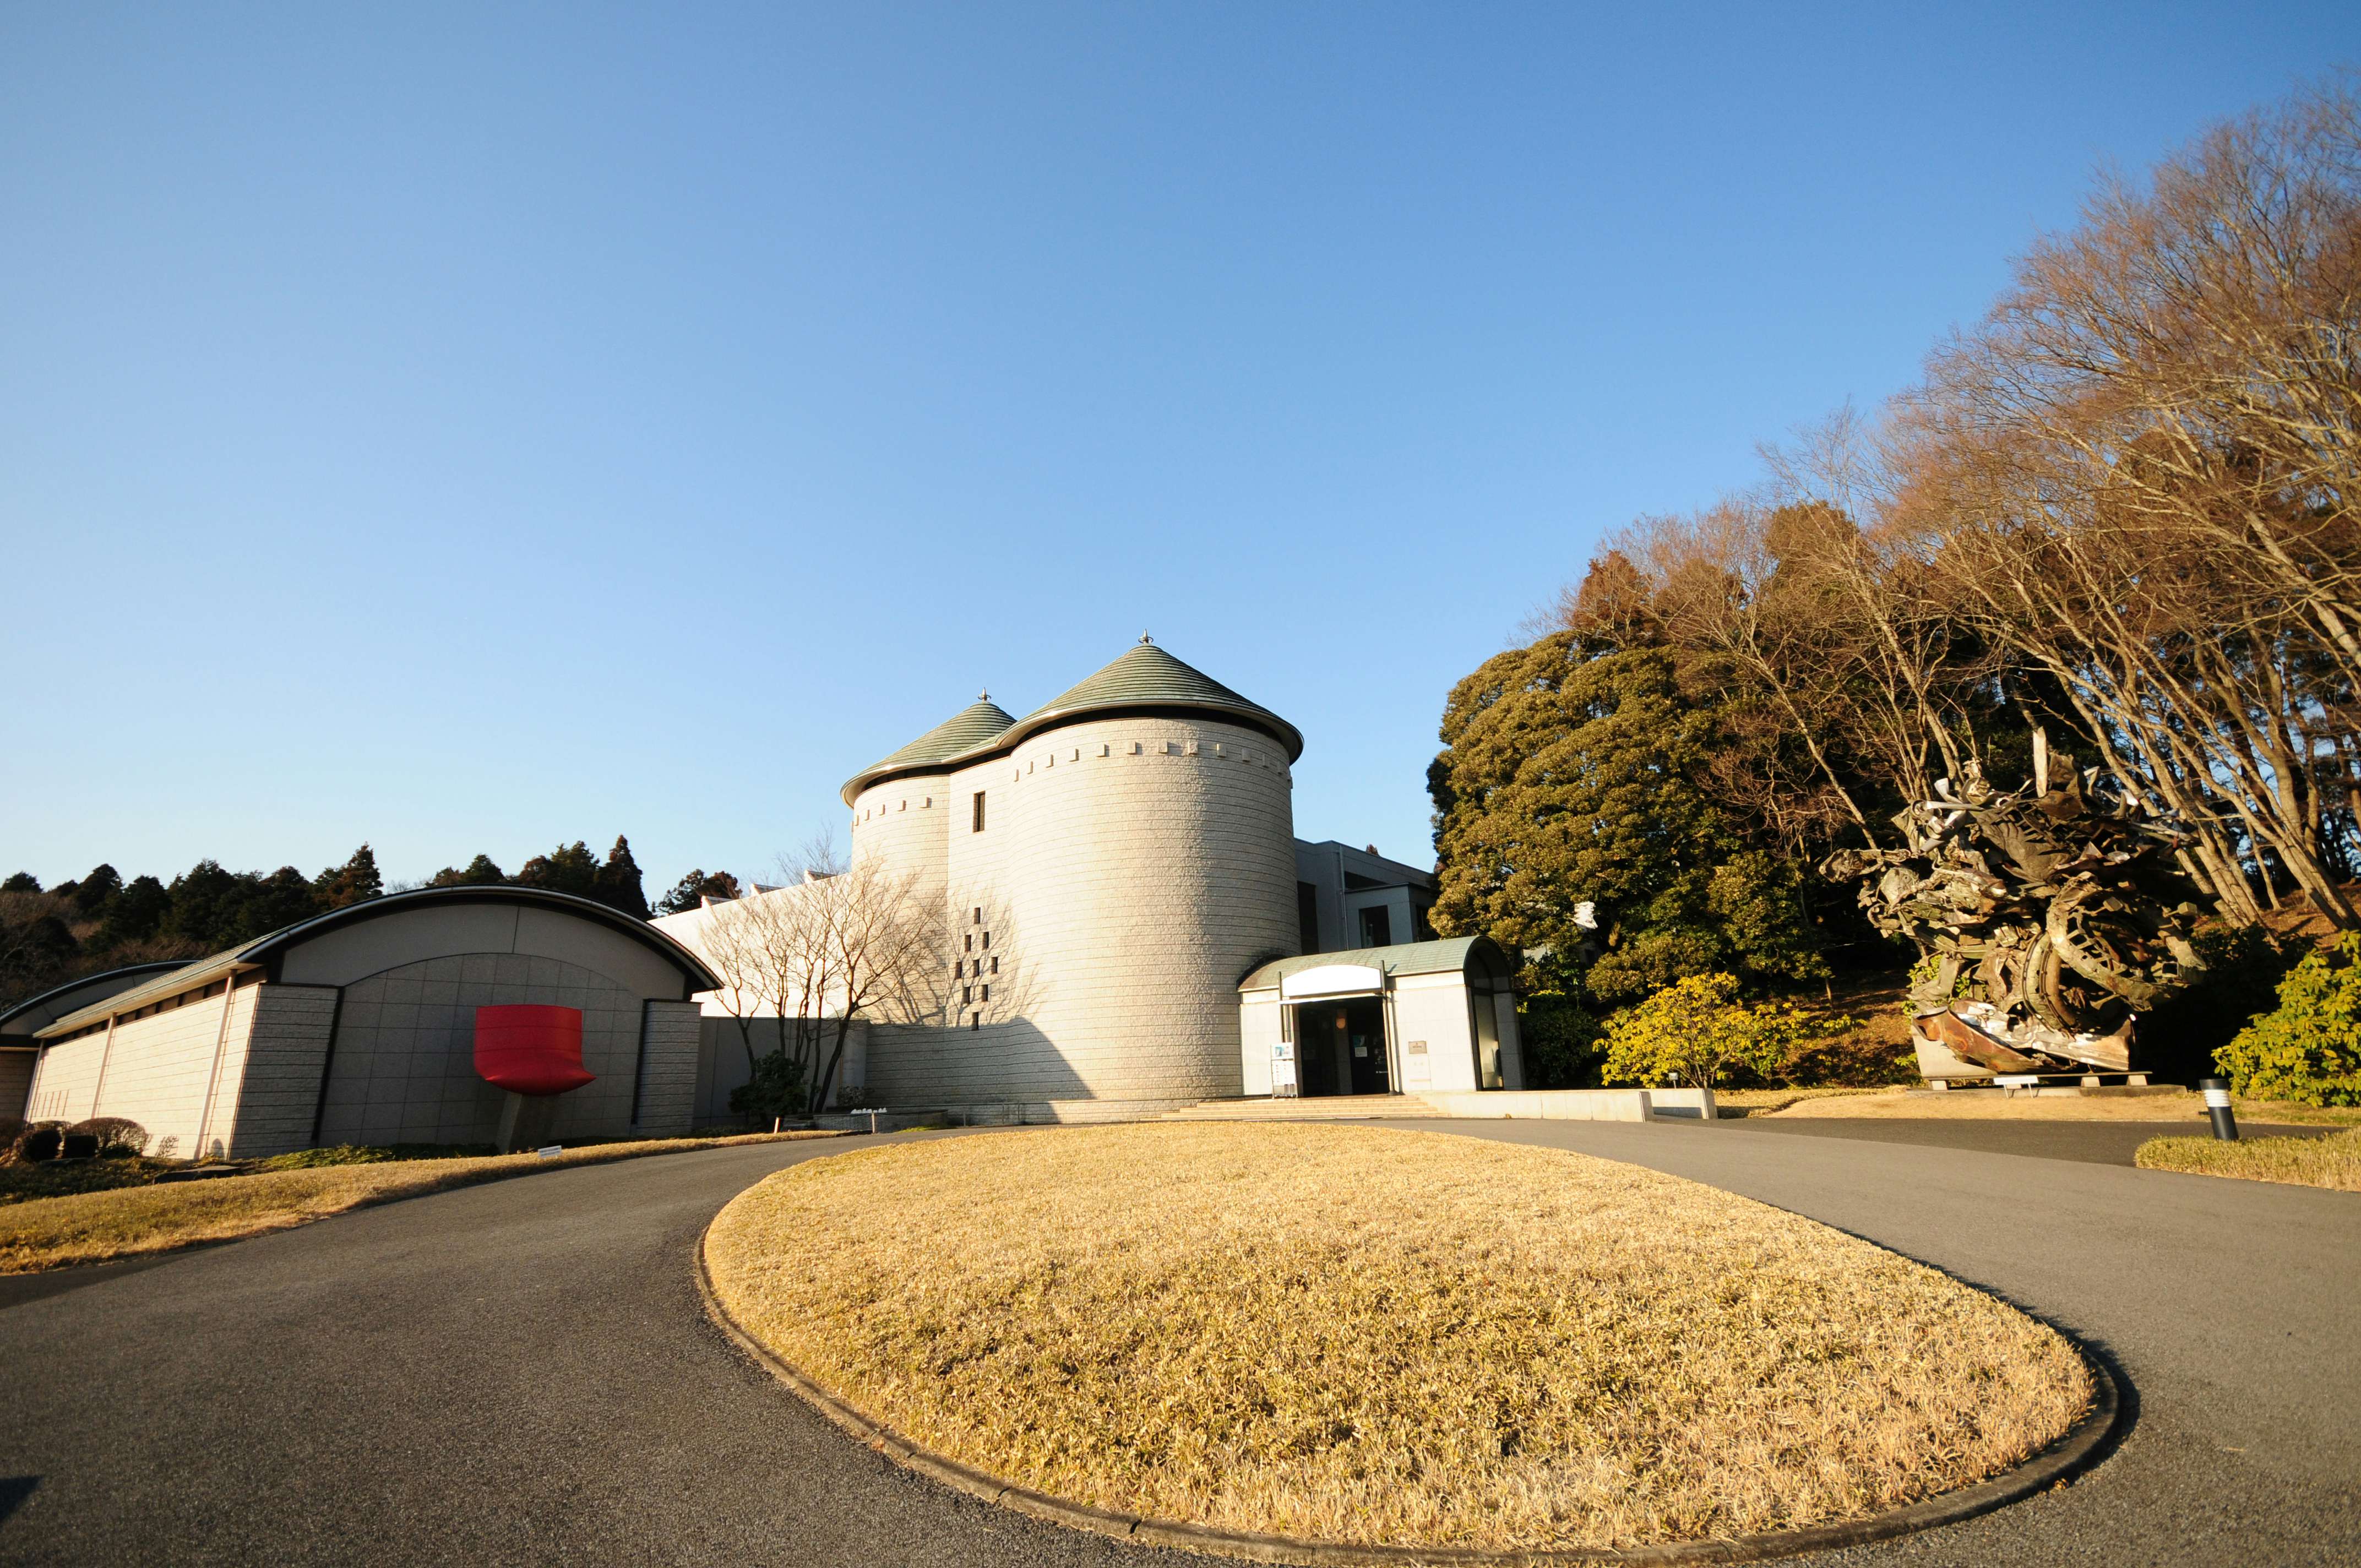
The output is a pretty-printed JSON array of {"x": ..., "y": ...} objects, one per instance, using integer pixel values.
[{"x": 405, "y": 1070}]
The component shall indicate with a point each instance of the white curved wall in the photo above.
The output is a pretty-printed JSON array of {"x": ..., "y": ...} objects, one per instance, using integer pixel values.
[
  {"x": 904, "y": 821},
  {"x": 1131, "y": 870}
]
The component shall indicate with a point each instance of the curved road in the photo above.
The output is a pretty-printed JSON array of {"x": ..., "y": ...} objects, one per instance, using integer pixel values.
[{"x": 521, "y": 1373}]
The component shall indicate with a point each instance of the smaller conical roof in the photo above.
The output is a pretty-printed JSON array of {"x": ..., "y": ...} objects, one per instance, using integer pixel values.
[{"x": 971, "y": 727}]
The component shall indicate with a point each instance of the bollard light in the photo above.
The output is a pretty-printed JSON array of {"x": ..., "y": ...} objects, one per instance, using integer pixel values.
[{"x": 2217, "y": 1109}]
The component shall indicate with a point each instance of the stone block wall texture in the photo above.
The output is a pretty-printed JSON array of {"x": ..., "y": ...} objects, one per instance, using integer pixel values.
[
  {"x": 668, "y": 1068},
  {"x": 277, "y": 1086},
  {"x": 404, "y": 1068},
  {"x": 156, "y": 1072},
  {"x": 1131, "y": 870}
]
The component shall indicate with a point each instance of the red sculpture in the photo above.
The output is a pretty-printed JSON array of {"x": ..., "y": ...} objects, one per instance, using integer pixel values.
[{"x": 531, "y": 1049}]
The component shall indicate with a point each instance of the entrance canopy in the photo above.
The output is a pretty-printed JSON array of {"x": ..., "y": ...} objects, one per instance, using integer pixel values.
[
  {"x": 1365, "y": 971},
  {"x": 1396, "y": 1019}
]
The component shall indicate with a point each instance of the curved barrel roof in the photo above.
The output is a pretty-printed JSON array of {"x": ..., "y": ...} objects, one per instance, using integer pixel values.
[
  {"x": 1145, "y": 677},
  {"x": 262, "y": 951}
]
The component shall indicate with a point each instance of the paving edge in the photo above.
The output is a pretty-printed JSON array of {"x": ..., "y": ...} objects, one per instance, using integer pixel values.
[{"x": 2067, "y": 1456}]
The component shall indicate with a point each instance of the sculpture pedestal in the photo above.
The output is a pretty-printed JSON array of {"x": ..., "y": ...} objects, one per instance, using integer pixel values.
[{"x": 526, "y": 1121}]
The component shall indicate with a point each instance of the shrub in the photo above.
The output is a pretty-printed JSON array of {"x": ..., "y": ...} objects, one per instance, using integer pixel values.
[
  {"x": 119, "y": 1138},
  {"x": 1697, "y": 1031},
  {"x": 776, "y": 1089},
  {"x": 1561, "y": 1043},
  {"x": 2309, "y": 1050},
  {"x": 40, "y": 1141},
  {"x": 2243, "y": 965}
]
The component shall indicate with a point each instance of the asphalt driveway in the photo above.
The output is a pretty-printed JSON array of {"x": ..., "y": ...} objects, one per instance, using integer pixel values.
[{"x": 521, "y": 1373}]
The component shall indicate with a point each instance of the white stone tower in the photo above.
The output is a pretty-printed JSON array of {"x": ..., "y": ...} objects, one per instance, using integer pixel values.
[{"x": 1113, "y": 864}]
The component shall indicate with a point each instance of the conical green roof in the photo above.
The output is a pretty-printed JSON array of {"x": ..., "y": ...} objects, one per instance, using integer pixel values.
[
  {"x": 1147, "y": 677},
  {"x": 971, "y": 727}
]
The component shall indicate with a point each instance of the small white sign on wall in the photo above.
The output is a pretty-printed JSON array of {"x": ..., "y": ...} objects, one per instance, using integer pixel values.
[{"x": 1417, "y": 1071}]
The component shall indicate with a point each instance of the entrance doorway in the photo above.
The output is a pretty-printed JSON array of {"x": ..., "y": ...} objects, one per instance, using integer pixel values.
[{"x": 1340, "y": 1047}]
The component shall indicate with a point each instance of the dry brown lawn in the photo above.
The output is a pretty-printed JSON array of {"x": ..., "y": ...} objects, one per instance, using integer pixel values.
[
  {"x": 1370, "y": 1335},
  {"x": 2332, "y": 1162},
  {"x": 1983, "y": 1104},
  {"x": 93, "y": 1227}
]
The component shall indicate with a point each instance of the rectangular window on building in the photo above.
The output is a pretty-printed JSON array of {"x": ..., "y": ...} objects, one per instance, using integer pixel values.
[
  {"x": 979, "y": 813},
  {"x": 1376, "y": 928},
  {"x": 987, "y": 942},
  {"x": 975, "y": 1020},
  {"x": 967, "y": 994},
  {"x": 995, "y": 966},
  {"x": 978, "y": 918},
  {"x": 1307, "y": 916},
  {"x": 987, "y": 994},
  {"x": 970, "y": 941}
]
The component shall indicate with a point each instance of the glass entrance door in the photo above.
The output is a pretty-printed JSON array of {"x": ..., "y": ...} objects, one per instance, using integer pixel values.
[{"x": 1340, "y": 1047}]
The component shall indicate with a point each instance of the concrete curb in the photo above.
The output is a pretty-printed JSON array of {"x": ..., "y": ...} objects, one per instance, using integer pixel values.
[{"x": 2084, "y": 1443}]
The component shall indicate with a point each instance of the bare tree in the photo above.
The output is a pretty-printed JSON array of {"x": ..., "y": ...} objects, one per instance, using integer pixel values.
[{"x": 838, "y": 944}]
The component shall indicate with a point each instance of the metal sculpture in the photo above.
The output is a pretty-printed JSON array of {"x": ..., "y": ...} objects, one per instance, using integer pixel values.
[{"x": 2047, "y": 920}]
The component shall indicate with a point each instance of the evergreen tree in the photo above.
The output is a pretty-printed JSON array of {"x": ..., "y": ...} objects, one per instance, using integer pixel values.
[
  {"x": 1571, "y": 777},
  {"x": 619, "y": 885},
  {"x": 569, "y": 867},
  {"x": 351, "y": 882},
  {"x": 22, "y": 881},
  {"x": 691, "y": 891},
  {"x": 138, "y": 914},
  {"x": 479, "y": 872},
  {"x": 92, "y": 892}
]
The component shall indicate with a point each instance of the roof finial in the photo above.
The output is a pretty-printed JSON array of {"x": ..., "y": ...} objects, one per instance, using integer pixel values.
[
  {"x": 983, "y": 697},
  {"x": 1144, "y": 637}
]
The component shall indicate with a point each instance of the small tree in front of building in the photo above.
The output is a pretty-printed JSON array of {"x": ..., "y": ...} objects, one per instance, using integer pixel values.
[
  {"x": 836, "y": 945},
  {"x": 1696, "y": 1031}
]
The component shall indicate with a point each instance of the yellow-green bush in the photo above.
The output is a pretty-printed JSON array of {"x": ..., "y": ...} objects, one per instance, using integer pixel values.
[
  {"x": 1697, "y": 1030},
  {"x": 2309, "y": 1049}
]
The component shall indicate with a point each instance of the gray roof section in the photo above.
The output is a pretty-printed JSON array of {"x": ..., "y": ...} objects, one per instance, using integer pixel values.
[
  {"x": 263, "y": 949},
  {"x": 973, "y": 726},
  {"x": 1447, "y": 956},
  {"x": 34, "y": 1013},
  {"x": 1147, "y": 677}
]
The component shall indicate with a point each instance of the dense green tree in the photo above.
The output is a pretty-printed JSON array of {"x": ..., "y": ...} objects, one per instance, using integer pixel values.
[
  {"x": 569, "y": 867},
  {"x": 22, "y": 881},
  {"x": 92, "y": 892},
  {"x": 691, "y": 891},
  {"x": 1571, "y": 777},
  {"x": 135, "y": 913},
  {"x": 354, "y": 881},
  {"x": 478, "y": 872},
  {"x": 216, "y": 908},
  {"x": 619, "y": 885}
]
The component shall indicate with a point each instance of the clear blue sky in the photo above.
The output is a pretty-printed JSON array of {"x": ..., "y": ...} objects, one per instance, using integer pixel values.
[{"x": 464, "y": 428}]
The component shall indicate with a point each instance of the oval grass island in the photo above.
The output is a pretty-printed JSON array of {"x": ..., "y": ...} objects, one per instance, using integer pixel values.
[{"x": 1377, "y": 1338}]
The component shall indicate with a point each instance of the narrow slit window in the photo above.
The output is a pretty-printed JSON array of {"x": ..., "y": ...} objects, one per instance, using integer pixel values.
[
  {"x": 979, "y": 813},
  {"x": 987, "y": 994},
  {"x": 995, "y": 966}
]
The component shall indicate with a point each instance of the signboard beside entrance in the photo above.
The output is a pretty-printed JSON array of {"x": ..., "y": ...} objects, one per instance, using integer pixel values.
[{"x": 1282, "y": 1070}]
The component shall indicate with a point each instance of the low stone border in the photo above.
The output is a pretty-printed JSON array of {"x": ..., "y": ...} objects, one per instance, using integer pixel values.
[{"x": 2084, "y": 1443}]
